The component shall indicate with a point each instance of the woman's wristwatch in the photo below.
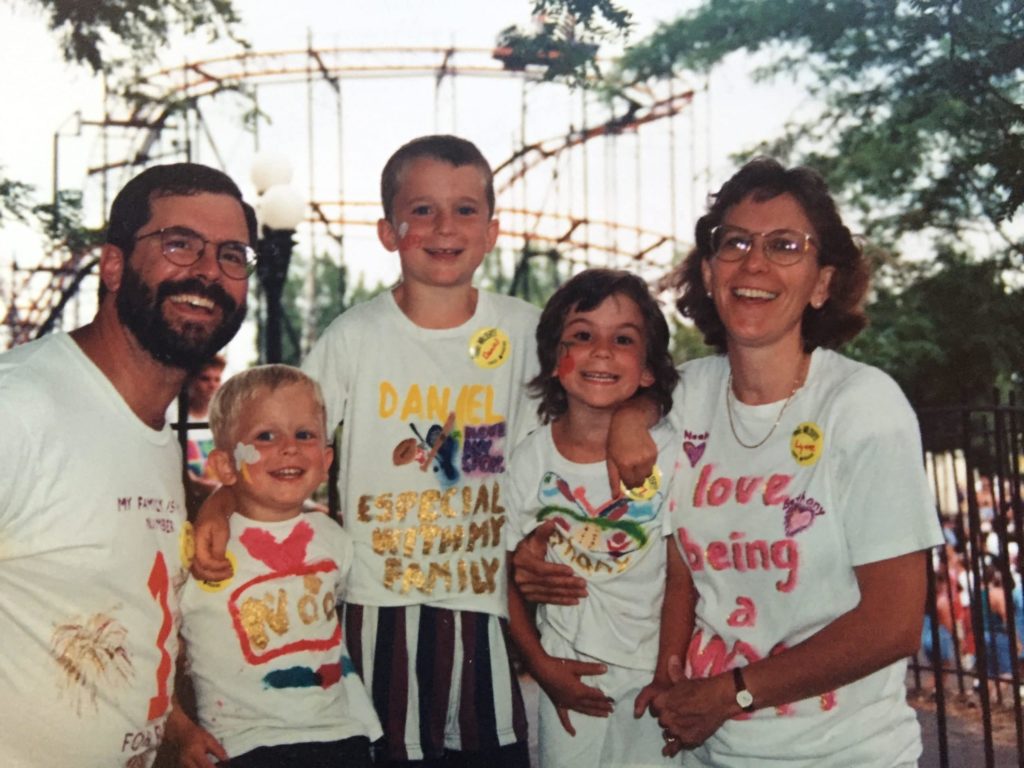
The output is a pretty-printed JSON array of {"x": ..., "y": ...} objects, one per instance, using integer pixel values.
[{"x": 744, "y": 698}]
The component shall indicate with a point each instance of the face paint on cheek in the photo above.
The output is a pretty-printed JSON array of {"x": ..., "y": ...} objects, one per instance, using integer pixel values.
[
  {"x": 405, "y": 240},
  {"x": 566, "y": 363},
  {"x": 245, "y": 454}
]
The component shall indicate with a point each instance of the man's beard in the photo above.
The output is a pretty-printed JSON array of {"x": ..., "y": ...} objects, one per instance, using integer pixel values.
[{"x": 192, "y": 345}]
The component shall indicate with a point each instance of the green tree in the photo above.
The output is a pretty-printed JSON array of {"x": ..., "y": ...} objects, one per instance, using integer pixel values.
[
  {"x": 333, "y": 295},
  {"x": 116, "y": 37},
  {"x": 948, "y": 331},
  {"x": 922, "y": 125},
  {"x": 94, "y": 33}
]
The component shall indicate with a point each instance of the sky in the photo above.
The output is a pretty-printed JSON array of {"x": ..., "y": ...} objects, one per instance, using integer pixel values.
[{"x": 656, "y": 179}]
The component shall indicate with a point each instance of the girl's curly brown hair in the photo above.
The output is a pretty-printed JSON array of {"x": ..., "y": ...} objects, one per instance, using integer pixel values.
[{"x": 584, "y": 292}]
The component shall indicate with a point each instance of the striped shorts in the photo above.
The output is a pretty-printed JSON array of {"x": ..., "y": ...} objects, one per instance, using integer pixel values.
[{"x": 439, "y": 679}]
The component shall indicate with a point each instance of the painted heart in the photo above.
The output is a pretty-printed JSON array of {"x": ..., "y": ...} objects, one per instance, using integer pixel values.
[
  {"x": 798, "y": 519},
  {"x": 694, "y": 451}
]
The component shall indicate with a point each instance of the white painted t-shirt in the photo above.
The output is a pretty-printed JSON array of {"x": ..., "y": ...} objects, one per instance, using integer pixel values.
[
  {"x": 427, "y": 525},
  {"x": 92, "y": 545},
  {"x": 772, "y": 535},
  {"x": 265, "y": 647}
]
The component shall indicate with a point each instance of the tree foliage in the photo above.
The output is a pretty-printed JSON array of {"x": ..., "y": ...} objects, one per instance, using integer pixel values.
[
  {"x": 923, "y": 123},
  {"x": 97, "y": 32},
  {"x": 949, "y": 332},
  {"x": 333, "y": 295}
]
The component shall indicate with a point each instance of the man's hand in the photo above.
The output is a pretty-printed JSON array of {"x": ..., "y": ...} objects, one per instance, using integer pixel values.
[
  {"x": 562, "y": 681},
  {"x": 195, "y": 744},
  {"x": 540, "y": 581}
]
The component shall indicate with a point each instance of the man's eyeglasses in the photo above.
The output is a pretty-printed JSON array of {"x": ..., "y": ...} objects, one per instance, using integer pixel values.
[
  {"x": 784, "y": 247},
  {"x": 184, "y": 247}
]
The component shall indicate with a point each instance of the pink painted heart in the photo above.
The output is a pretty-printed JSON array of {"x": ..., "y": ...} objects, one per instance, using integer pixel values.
[
  {"x": 798, "y": 519},
  {"x": 693, "y": 451}
]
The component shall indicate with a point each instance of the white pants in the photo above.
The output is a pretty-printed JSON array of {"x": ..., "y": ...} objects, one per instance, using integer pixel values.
[{"x": 614, "y": 741}]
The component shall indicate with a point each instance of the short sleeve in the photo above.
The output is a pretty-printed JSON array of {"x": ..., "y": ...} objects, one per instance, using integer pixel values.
[
  {"x": 881, "y": 483},
  {"x": 328, "y": 364}
]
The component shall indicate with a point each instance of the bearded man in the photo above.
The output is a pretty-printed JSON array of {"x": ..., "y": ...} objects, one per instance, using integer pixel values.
[{"x": 93, "y": 538}]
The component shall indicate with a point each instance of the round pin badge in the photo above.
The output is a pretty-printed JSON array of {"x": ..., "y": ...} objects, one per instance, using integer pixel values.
[
  {"x": 217, "y": 586},
  {"x": 807, "y": 443},
  {"x": 490, "y": 347},
  {"x": 646, "y": 490}
]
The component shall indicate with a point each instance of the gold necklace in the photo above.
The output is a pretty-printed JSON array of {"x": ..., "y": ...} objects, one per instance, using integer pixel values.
[{"x": 728, "y": 409}]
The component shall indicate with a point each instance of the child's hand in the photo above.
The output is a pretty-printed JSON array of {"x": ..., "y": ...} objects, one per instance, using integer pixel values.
[
  {"x": 211, "y": 536},
  {"x": 658, "y": 685},
  {"x": 562, "y": 681},
  {"x": 540, "y": 581},
  {"x": 631, "y": 450}
]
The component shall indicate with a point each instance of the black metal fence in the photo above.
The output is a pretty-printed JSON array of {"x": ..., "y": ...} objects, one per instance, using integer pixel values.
[{"x": 974, "y": 629}]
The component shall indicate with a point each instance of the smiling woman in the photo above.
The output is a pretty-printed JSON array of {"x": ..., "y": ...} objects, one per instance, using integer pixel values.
[{"x": 801, "y": 459}]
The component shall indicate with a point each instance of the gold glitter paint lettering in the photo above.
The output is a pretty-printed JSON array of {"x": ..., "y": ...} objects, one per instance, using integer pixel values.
[
  {"x": 482, "y": 501},
  {"x": 429, "y": 533},
  {"x": 483, "y": 574},
  {"x": 383, "y": 502},
  {"x": 446, "y": 503},
  {"x": 428, "y": 506},
  {"x": 392, "y": 571},
  {"x": 363, "y": 509},
  {"x": 442, "y": 571},
  {"x": 257, "y": 615},
  {"x": 451, "y": 539},
  {"x": 307, "y": 603},
  {"x": 413, "y": 577},
  {"x": 409, "y": 549},
  {"x": 386, "y": 540},
  {"x": 405, "y": 502},
  {"x": 478, "y": 534}
]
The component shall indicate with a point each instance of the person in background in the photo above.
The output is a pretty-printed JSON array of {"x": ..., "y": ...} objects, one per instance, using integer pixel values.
[{"x": 200, "y": 388}]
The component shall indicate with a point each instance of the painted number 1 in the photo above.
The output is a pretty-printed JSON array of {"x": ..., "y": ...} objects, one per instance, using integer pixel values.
[{"x": 158, "y": 588}]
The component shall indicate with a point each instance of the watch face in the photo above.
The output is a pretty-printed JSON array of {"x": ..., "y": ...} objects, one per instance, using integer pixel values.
[{"x": 744, "y": 698}]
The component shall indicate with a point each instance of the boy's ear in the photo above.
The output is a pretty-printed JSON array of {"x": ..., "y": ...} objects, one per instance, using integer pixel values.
[
  {"x": 223, "y": 466},
  {"x": 387, "y": 235},
  {"x": 493, "y": 230}
]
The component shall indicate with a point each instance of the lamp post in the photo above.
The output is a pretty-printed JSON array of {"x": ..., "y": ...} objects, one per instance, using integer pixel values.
[{"x": 281, "y": 209}]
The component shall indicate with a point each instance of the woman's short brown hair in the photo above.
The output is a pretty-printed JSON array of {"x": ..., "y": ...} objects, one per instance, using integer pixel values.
[{"x": 842, "y": 316}]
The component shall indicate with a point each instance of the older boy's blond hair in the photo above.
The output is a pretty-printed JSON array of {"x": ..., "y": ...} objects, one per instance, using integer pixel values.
[{"x": 229, "y": 401}]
